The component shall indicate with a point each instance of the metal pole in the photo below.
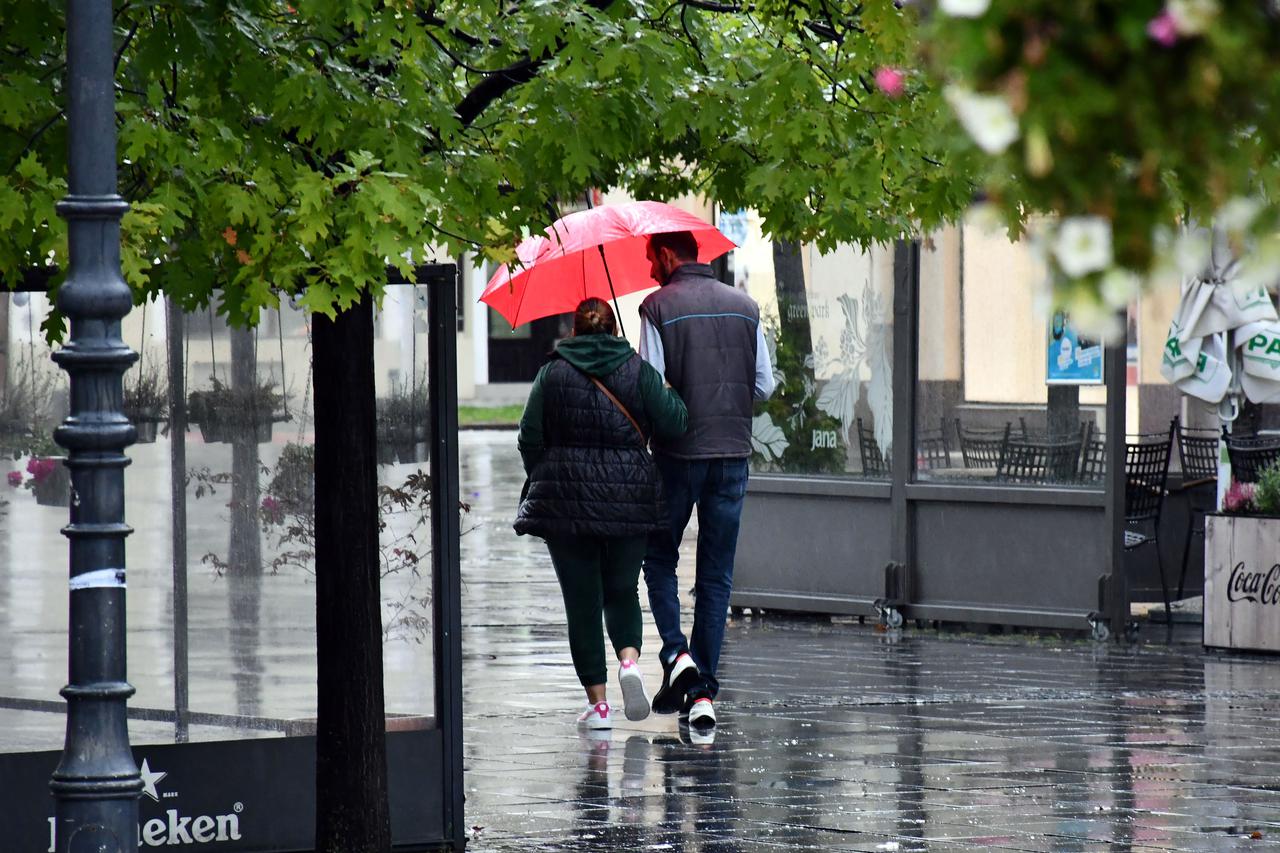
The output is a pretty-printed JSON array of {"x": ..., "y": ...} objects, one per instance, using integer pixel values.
[
  {"x": 176, "y": 323},
  {"x": 446, "y": 599},
  {"x": 1117, "y": 589},
  {"x": 96, "y": 783}
]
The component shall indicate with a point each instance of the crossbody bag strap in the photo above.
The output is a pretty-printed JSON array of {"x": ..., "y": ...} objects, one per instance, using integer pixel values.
[{"x": 621, "y": 407}]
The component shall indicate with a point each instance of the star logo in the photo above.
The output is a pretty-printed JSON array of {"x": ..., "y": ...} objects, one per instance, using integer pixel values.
[{"x": 149, "y": 779}]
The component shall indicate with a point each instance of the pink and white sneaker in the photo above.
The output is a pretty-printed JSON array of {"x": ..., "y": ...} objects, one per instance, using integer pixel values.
[
  {"x": 635, "y": 699},
  {"x": 596, "y": 717}
]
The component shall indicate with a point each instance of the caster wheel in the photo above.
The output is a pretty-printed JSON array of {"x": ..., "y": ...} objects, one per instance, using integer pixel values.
[
  {"x": 892, "y": 617},
  {"x": 1101, "y": 631}
]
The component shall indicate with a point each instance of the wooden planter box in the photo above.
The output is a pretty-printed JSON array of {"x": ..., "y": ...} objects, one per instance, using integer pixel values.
[{"x": 1242, "y": 582}]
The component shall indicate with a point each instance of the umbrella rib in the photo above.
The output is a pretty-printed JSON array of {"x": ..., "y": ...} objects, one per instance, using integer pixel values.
[{"x": 515, "y": 321}]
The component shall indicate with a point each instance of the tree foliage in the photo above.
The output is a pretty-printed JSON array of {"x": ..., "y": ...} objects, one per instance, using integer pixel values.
[
  {"x": 273, "y": 149},
  {"x": 1138, "y": 115}
]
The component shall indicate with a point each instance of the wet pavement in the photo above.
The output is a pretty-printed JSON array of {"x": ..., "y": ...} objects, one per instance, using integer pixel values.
[
  {"x": 833, "y": 735},
  {"x": 837, "y": 736}
]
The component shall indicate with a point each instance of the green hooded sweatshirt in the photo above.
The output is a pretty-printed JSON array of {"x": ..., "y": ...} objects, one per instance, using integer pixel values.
[{"x": 600, "y": 355}]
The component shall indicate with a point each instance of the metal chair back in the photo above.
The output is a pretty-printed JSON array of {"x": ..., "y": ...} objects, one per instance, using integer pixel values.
[
  {"x": 1146, "y": 466},
  {"x": 1250, "y": 455},
  {"x": 874, "y": 463},
  {"x": 982, "y": 448},
  {"x": 1039, "y": 462},
  {"x": 934, "y": 449},
  {"x": 1197, "y": 453}
]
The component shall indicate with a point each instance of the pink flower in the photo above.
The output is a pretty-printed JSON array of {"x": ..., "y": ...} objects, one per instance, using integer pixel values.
[
  {"x": 1239, "y": 497},
  {"x": 1163, "y": 29},
  {"x": 891, "y": 81},
  {"x": 272, "y": 510},
  {"x": 15, "y": 478},
  {"x": 40, "y": 467}
]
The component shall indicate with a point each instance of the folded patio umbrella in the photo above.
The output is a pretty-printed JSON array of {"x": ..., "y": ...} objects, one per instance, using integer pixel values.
[{"x": 1224, "y": 337}]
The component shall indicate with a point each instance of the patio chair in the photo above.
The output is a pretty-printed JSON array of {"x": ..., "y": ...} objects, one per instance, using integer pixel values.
[
  {"x": 1033, "y": 462},
  {"x": 1198, "y": 456},
  {"x": 933, "y": 450},
  {"x": 982, "y": 448},
  {"x": 1250, "y": 455},
  {"x": 1093, "y": 458},
  {"x": 1146, "y": 466},
  {"x": 874, "y": 463}
]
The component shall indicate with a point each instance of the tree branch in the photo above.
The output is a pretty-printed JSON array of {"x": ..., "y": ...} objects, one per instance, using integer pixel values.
[{"x": 499, "y": 83}]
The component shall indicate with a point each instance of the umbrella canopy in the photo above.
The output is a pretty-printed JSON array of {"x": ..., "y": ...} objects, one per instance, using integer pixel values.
[
  {"x": 598, "y": 252},
  {"x": 1225, "y": 339}
]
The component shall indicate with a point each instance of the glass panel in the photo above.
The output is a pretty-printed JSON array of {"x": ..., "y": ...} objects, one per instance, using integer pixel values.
[
  {"x": 828, "y": 322},
  {"x": 986, "y": 409},
  {"x": 250, "y": 597}
]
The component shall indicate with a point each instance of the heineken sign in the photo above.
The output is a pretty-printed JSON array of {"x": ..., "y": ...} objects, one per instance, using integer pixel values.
[{"x": 255, "y": 795}]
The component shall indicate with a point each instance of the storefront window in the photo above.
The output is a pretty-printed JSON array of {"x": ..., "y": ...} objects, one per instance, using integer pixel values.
[
  {"x": 231, "y": 654},
  {"x": 1009, "y": 392},
  {"x": 828, "y": 321}
]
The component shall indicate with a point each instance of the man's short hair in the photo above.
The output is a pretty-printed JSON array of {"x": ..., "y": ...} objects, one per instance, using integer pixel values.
[{"x": 681, "y": 243}]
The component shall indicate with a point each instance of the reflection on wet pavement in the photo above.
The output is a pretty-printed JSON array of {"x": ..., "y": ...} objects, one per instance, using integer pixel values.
[
  {"x": 833, "y": 736},
  {"x": 839, "y": 737}
]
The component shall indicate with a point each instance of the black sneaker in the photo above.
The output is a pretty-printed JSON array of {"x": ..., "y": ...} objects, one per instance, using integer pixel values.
[{"x": 678, "y": 678}]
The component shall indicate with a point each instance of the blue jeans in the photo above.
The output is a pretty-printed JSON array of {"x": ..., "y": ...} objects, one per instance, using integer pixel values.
[{"x": 717, "y": 487}]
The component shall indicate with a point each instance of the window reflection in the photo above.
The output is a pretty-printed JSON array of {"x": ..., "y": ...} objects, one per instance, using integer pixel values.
[
  {"x": 1008, "y": 393},
  {"x": 828, "y": 325}
]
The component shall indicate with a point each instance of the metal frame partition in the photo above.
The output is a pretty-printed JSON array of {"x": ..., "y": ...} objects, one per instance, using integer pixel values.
[
  {"x": 1043, "y": 556},
  {"x": 258, "y": 793}
]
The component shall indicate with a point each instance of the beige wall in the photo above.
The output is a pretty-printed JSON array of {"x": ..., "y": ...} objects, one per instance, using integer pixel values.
[
  {"x": 1004, "y": 327},
  {"x": 940, "y": 306}
]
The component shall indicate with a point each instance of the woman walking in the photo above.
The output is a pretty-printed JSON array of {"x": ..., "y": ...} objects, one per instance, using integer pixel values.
[{"x": 594, "y": 494}]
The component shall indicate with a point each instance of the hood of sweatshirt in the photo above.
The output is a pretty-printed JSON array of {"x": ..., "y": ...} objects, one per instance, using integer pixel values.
[{"x": 597, "y": 355}]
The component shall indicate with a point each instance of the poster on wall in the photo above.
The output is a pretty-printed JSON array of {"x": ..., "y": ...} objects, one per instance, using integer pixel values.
[{"x": 1072, "y": 359}]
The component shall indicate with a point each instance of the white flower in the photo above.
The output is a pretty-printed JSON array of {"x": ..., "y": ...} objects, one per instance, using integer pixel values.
[
  {"x": 1083, "y": 245},
  {"x": 1119, "y": 287},
  {"x": 964, "y": 8},
  {"x": 1094, "y": 320},
  {"x": 986, "y": 118},
  {"x": 985, "y": 217},
  {"x": 1261, "y": 266},
  {"x": 1192, "y": 251},
  {"x": 1192, "y": 17},
  {"x": 1238, "y": 214}
]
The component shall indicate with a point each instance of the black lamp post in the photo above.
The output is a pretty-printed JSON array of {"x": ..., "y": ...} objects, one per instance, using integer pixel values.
[{"x": 96, "y": 784}]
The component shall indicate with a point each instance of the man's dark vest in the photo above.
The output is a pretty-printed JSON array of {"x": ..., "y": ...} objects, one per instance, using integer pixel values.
[
  {"x": 709, "y": 333},
  {"x": 595, "y": 477}
]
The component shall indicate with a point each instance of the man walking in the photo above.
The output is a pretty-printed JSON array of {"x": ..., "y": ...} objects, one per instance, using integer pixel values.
[{"x": 705, "y": 338}]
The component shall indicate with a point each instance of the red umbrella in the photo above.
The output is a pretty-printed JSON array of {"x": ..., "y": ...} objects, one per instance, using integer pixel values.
[{"x": 597, "y": 252}]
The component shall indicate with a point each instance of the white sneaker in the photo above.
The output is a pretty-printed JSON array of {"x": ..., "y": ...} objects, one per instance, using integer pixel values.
[
  {"x": 702, "y": 714},
  {"x": 596, "y": 716},
  {"x": 635, "y": 701}
]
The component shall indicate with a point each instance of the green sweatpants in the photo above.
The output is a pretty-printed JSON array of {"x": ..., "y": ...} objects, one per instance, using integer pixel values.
[{"x": 599, "y": 573}]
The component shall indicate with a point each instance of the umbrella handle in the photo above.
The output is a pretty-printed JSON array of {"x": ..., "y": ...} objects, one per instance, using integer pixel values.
[{"x": 617, "y": 312}]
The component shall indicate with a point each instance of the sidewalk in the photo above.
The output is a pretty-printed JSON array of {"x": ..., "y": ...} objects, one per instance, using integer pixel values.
[{"x": 840, "y": 737}]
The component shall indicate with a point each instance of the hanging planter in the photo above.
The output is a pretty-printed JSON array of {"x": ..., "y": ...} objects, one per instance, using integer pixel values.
[
  {"x": 224, "y": 413},
  {"x": 402, "y": 426},
  {"x": 49, "y": 480},
  {"x": 145, "y": 404},
  {"x": 45, "y": 473}
]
